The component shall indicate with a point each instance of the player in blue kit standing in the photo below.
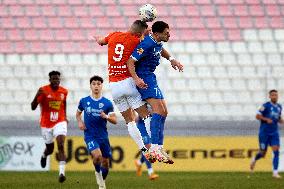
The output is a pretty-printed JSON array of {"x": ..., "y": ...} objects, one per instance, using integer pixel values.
[
  {"x": 98, "y": 110},
  {"x": 142, "y": 64},
  {"x": 269, "y": 115}
]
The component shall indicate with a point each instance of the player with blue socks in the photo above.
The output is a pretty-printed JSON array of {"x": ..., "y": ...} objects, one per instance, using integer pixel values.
[
  {"x": 269, "y": 115},
  {"x": 142, "y": 64},
  {"x": 98, "y": 110}
]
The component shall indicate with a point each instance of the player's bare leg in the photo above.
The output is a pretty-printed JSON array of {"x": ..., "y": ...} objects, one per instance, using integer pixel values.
[
  {"x": 97, "y": 161},
  {"x": 48, "y": 150},
  {"x": 61, "y": 157},
  {"x": 259, "y": 155}
]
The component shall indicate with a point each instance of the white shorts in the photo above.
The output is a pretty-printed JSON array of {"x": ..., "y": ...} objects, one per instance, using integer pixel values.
[
  {"x": 49, "y": 134},
  {"x": 125, "y": 95}
]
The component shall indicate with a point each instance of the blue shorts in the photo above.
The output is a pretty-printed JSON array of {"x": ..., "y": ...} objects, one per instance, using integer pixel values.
[
  {"x": 272, "y": 139},
  {"x": 103, "y": 144},
  {"x": 153, "y": 90}
]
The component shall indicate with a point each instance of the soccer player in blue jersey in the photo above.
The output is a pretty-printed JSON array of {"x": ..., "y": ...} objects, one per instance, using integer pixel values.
[
  {"x": 98, "y": 110},
  {"x": 269, "y": 115},
  {"x": 142, "y": 64}
]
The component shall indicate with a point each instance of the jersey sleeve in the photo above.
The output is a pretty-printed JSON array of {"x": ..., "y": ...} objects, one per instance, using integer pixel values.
[
  {"x": 140, "y": 51},
  {"x": 40, "y": 97},
  {"x": 110, "y": 108},
  {"x": 80, "y": 106},
  {"x": 109, "y": 36},
  {"x": 261, "y": 109}
]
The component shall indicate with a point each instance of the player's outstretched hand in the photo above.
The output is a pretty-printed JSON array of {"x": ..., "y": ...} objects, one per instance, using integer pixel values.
[
  {"x": 140, "y": 83},
  {"x": 177, "y": 65},
  {"x": 81, "y": 125},
  {"x": 269, "y": 121}
]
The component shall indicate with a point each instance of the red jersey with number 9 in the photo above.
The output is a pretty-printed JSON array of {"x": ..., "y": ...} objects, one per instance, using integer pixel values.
[
  {"x": 52, "y": 105},
  {"x": 120, "y": 47}
]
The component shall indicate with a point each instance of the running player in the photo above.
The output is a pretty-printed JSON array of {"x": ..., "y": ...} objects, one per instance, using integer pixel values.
[
  {"x": 269, "y": 115},
  {"x": 98, "y": 110},
  {"x": 123, "y": 89},
  {"x": 147, "y": 55},
  {"x": 53, "y": 120}
]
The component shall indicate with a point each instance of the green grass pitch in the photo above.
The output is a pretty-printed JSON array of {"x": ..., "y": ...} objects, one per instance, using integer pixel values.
[{"x": 124, "y": 180}]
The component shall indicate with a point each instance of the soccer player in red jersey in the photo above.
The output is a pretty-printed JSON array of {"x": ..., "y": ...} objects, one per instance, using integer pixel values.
[
  {"x": 124, "y": 92},
  {"x": 53, "y": 120}
]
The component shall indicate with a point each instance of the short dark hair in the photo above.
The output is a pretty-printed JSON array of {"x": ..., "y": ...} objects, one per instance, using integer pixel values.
[
  {"x": 273, "y": 91},
  {"x": 53, "y": 73},
  {"x": 96, "y": 78},
  {"x": 140, "y": 23},
  {"x": 159, "y": 26}
]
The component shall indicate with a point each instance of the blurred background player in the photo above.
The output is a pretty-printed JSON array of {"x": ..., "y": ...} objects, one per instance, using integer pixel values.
[
  {"x": 53, "y": 119},
  {"x": 139, "y": 162},
  {"x": 124, "y": 92},
  {"x": 269, "y": 115},
  {"x": 142, "y": 64},
  {"x": 98, "y": 110}
]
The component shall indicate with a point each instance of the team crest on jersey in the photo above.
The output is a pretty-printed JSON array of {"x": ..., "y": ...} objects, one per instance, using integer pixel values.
[
  {"x": 88, "y": 103},
  {"x": 62, "y": 96},
  {"x": 140, "y": 51},
  {"x": 157, "y": 53},
  {"x": 49, "y": 96},
  {"x": 101, "y": 105}
]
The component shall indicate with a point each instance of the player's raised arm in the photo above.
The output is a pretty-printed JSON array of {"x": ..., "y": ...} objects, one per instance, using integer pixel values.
[
  {"x": 35, "y": 100},
  {"x": 100, "y": 40},
  {"x": 131, "y": 67},
  {"x": 175, "y": 64}
]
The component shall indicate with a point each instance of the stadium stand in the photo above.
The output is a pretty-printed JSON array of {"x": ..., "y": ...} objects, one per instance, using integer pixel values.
[{"x": 232, "y": 51}]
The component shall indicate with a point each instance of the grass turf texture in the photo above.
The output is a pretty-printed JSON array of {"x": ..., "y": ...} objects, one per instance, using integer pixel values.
[{"x": 119, "y": 180}]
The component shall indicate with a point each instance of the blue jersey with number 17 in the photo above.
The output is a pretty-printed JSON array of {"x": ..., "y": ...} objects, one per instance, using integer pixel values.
[{"x": 148, "y": 54}]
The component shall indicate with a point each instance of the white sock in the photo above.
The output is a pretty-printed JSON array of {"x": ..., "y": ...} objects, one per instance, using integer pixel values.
[
  {"x": 150, "y": 171},
  {"x": 135, "y": 134},
  {"x": 161, "y": 146},
  {"x": 147, "y": 125},
  {"x": 62, "y": 167},
  {"x": 154, "y": 146},
  {"x": 43, "y": 155},
  {"x": 139, "y": 162},
  {"x": 275, "y": 172}
]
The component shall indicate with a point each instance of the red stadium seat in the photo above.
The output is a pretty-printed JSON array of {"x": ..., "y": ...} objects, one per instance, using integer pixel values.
[
  {"x": 269, "y": 2},
  {"x": 86, "y": 22},
  {"x": 126, "y": 2},
  {"x": 39, "y": 22},
  {"x": 196, "y": 22},
  {"x": 71, "y": 22},
  {"x": 95, "y": 10},
  {"x": 37, "y": 47},
  {"x": 272, "y": 10},
  {"x": 234, "y": 35},
  {"x": 69, "y": 47},
  {"x": 14, "y": 35},
  {"x": 48, "y": 10},
  {"x": 3, "y": 35},
  {"x": 54, "y": 22},
  {"x": 202, "y": 35},
  {"x": 64, "y": 10},
  {"x": 221, "y": 2},
  {"x": 62, "y": 35},
  {"x": 77, "y": 35},
  {"x": 16, "y": 10},
  {"x": 6, "y": 47},
  {"x": 46, "y": 35},
  {"x": 74, "y": 2},
  {"x": 33, "y": 10},
  {"x": 256, "y": 10},
  {"x": 241, "y": 10},
  {"x": 252, "y": 2},
  {"x": 21, "y": 47},
  {"x": 176, "y": 10},
  {"x": 213, "y": 22},
  {"x": 207, "y": 10},
  {"x": 102, "y": 22},
  {"x": 276, "y": 22},
  {"x": 182, "y": 22},
  {"x": 80, "y": 10},
  {"x": 203, "y": 2},
  {"x": 7, "y": 22},
  {"x": 112, "y": 10},
  {"x": 52, "y": 47},
  {"x": 163, "y": 10},
  {"x": 224, "y": 10},
  {"x": 23, "y": 22},
  {"x": 218, "y": 35},
  {"x": 31, "y": 34},
  {"x": 260, "y": 22},
  {"x": 9, "y": 2},
  {"x": 55, "y": 2},
  {"x": 119, "y": 22},
  {"x": 192, "y": 10},
  {"x": 90, "y": 2},
  {"x": 3, "y": 10},
  {"x": 26, "y": 2},
  {"x": 245, "y": 22},
  {"x": 230, "y": 22},
  {"x": 130, "y": 10}
]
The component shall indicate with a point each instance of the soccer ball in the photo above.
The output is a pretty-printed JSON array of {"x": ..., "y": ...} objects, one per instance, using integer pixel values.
[{"x": 148, "y": 13}]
